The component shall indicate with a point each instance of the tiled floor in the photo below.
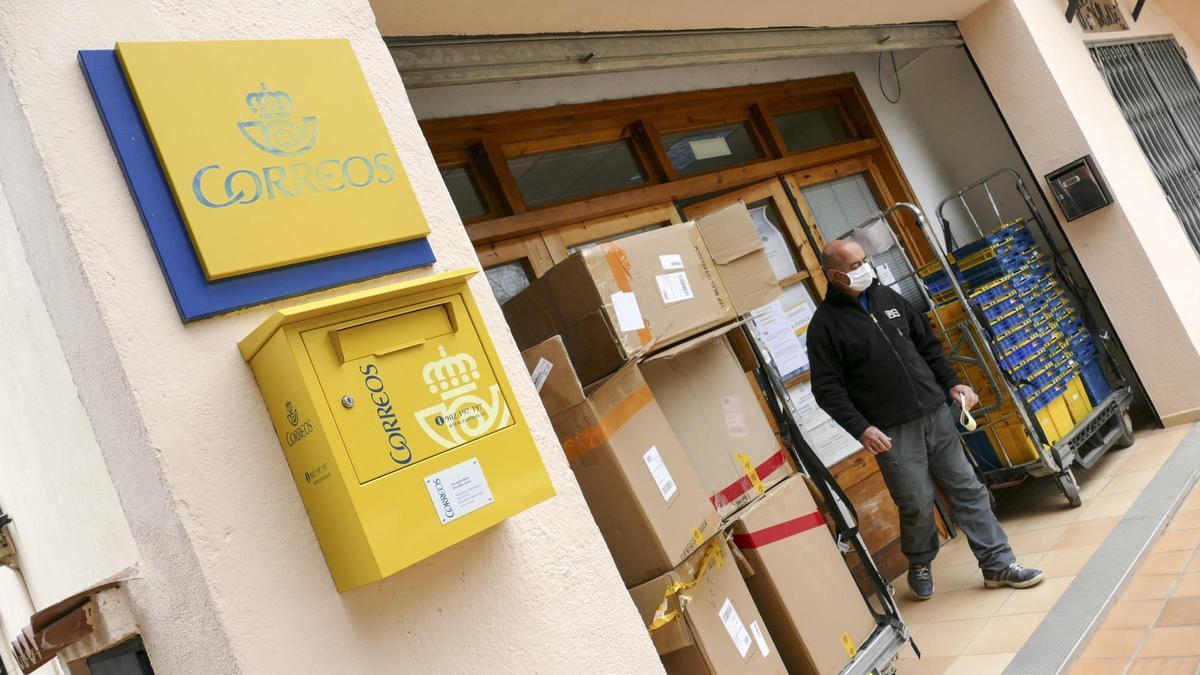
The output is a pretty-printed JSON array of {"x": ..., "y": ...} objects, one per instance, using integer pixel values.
[{"x": 968, "y": 629}]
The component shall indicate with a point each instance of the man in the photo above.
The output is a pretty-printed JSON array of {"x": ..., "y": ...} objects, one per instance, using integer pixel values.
[{"x": 881, "y": 373}]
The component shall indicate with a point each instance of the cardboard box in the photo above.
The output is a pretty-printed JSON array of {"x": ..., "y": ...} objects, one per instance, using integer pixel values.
[
  {"x": 702, "y": 619},
  {"x": 737, "y": 249},
  {"x": 714, "y": 411},
  {"x": 800, "y": 582},
  {"x": 611, "y": 301},
  {"x": 647, "y": 291},
  {"x": 644, "y": 495}
]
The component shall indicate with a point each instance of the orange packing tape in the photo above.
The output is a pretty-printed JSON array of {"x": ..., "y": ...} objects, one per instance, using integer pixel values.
[
  {"x": 585, "y": 441},
  {"x": 618, "y": 262}
]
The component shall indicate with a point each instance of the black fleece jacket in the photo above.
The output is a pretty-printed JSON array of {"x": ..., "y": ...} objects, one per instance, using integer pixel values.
[{"x": 881, "y": 368}]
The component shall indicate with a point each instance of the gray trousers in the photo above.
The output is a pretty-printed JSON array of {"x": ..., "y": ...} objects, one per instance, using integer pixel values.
[{"x": 929, "y": 449}]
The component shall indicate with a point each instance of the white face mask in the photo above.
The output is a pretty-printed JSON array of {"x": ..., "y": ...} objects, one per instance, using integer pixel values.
[{"x": 861, "y": 278}]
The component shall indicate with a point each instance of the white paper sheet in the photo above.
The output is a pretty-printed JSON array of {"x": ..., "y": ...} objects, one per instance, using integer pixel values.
[
  {"x": 885, "y": 274},
  {"x": 776, "y": 246},
  {"x": 800, "y": 316},
  {"x": 629, "y": 315},
  {"x": 760, "y": 639},
  {"x": 778, "y": 336}
]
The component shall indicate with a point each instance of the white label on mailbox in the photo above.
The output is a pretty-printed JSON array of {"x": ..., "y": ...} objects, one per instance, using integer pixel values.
[
  {"x": 735, "y": 627},
  {"x": 458, "y": 490},
  {"x": 673, "y": 261},
  {"x": 540, "y": 372},
  {"x": 758, "y": 638},
  {"x": 674, "y": 287},
  {"x": 660, "y": 473},
  {"x": 629, "y": 315}
]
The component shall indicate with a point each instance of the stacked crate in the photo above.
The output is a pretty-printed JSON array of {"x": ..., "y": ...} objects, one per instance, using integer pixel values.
[{"x": 1036, "y": 331}]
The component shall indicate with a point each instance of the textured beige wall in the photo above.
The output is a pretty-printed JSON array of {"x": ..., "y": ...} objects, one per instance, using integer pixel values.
[
  {"x": 231, "y": 578},
  {"x": 1135, "y": 252}
]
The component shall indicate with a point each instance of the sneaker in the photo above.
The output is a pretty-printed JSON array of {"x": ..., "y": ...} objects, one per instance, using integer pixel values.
[
  {"x": 920, "y": 580},
  {"x": 1013, "y": 576}
]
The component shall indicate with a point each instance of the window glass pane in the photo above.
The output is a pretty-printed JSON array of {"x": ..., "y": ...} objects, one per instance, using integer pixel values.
[
  {"x": 127, "y": 658},
  {"x": 508, "y": 279},
  {"x": 575, "y": 247},
  {"x": 775, "y": 240},
  {"x": 843, "y": 204},
  {"x": 703, "y": 150},
  {"x": 576, "y": 172},
  {"x": 812, "y": 128},
  {"x": 464, "y": 192}
]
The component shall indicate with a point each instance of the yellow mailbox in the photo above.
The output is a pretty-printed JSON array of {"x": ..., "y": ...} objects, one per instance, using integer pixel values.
[{"x": 398, "y": 423}]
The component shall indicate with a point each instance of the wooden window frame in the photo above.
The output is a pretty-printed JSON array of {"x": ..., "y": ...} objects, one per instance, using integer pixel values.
[
  {"x": 485, "y": 142},
  {"x": 642, "y": 157}
]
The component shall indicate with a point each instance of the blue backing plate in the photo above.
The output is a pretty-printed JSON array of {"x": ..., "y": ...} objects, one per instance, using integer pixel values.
[{"x": 195, "y": 296}]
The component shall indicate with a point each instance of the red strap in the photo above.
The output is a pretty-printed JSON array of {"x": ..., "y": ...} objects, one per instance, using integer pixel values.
[
  {"x": 743, "y": 485},
  {"x": 772, "y": 534}
]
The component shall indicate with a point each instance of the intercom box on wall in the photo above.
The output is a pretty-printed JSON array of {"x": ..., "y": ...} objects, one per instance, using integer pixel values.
[
  {"x": 398, "y": 422},
  {"x": 1079, "y": 188}
]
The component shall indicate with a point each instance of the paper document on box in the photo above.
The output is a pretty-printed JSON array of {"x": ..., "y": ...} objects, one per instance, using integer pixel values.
[{"x": 780, "y": 339}]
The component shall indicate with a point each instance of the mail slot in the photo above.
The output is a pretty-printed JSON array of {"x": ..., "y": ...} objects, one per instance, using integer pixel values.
[{"x": 397, "y": 421}]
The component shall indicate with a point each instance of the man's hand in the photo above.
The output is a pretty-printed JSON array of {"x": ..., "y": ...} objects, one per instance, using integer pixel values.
[
  {"x": 965, "y": 396},
  {"x": 875, "y": 440}
]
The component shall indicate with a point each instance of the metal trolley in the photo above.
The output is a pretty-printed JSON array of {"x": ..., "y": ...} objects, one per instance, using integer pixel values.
[
  {"x": 1108, "y": 424},
  {"x": 878, "y": 653}
]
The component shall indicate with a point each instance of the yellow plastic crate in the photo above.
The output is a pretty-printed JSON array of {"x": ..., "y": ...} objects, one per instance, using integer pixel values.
[
  {"x": 1077, "y": 399},
  {"x": 1011, "y": 443},
  {"x": 1055, "y": 419}
]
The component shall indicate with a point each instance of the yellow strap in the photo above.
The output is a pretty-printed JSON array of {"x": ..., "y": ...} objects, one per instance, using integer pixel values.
[
  {"x": 664, "y": 620},
  {"x": 751, "y": 473},
  {"x": 661, "y": 616},
  {"x": 697, "y": 536}
]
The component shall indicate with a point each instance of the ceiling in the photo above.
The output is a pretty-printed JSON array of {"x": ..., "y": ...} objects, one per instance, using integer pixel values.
[{"x": 475, "y": 17}]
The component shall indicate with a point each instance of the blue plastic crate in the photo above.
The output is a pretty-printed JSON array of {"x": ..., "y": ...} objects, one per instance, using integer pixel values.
[
  {"x": 1095, "y": 382},
  {"x": 981, "y": 449}
]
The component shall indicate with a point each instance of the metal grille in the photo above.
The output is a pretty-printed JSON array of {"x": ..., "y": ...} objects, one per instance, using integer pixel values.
[{"x": 1160, "y": 98}]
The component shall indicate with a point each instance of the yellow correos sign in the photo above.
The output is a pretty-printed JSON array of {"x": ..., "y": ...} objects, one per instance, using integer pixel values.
[{"x": 275, "y": 150}]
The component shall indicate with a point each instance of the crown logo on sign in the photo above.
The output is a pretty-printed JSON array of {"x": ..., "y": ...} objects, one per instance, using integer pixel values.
[
  {"x": 277, "y": 130},
  {"x": 267, "y": 104},
  {"x": 452, "y": 376}
]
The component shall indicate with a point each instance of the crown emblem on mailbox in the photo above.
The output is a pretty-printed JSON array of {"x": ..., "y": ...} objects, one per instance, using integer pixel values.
[
  {"x": 276, "y": 130},
  {"x": 463, "y": 413},
  {"x": 452, "y": 375}
]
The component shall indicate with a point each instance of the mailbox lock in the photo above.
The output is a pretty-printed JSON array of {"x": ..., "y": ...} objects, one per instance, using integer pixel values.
[{"x": 347, "y": 401}]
